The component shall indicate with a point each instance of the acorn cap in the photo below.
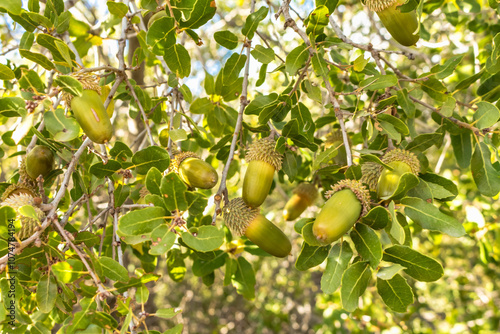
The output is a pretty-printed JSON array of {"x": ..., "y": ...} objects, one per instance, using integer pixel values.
[
  {"x": 28, "y": 224},
  {"x": 237, "y": 216},
  {"x": 357, "y": 188},
  {"x": 263, "y": 150},
  {"x": 380, "y": 5},
  {"x": 179, "y": 158},
  {"x": 307, "y": 190},
  {"x": 335, "y": 136},
  {"x": 89, "y": 82},
  {"x": 370, "y": 173},
  {"x": 19, "y": 188},
  {"x": 407, "y": 157}
]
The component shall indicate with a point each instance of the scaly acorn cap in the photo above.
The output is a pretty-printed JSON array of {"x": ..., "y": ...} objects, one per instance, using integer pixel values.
[
  {"x": 407, "y": 157},
  {"x": 357, "y": 188},
  {"x": 308, "y": 191},
  {"x": 370, "y": 173},
  {"x": 237, "y": 215},
  {"x": 28, "y": 224},
  {"x": 89, "y": 82},
  {"x": 17, "y": 189},
  {"x": 263, "y": 149},
  {"x": 379, "y": 5},
  {"x": 179, "y": 158}
]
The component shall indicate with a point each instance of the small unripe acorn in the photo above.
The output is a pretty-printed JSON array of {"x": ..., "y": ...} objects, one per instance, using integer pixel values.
[
  {"x": 90, "y": 114},
  {"x": 303, "y": 196},
  {"x": 263, "y": 161},
  {"x": 195, "y": 172},
  {"x": 244, "y": 220},
  {"x": 28, "y": 224},
  {"x": 104, "y": 95},
  {"x": 401, "y": 26},
  {"x": 402, "y": 162},
  {"x": 347, "y": 202},
  {"x": 39, "y": 161}
]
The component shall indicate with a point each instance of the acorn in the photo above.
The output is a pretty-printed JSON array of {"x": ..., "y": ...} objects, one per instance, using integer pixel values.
[
  {"x": 28, "y": 224},
  {"x": 370, "y": 173},
  {"x": 39, "y": 161},
  {"x": 18, "y": 189},
  {"x": 90, "y": 114},
  {"x": 104, "y": 95},
  {"x": 303, "y": 196},
  {"x": 335, "y": 139},
  {"x": 244, "y": 220},
  {"x": 402, "y": 162},
  {"x": 195, "y": 172},
  {"x": 347, "y": 202},
  {"x": 263, "y": 161},
  {"x": 402, "y": 26}
]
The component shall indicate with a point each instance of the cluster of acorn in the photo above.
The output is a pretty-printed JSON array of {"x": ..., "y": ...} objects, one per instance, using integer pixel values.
[{"x": 38, "y": 162}]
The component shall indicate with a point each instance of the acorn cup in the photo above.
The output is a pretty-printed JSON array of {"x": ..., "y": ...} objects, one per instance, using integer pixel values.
[
  {"x": 195, "y": 172},
  {"x": 39, "y": 161},
  {"x": 402, "y": 162},
  {"x": 303, "y": 196},
  {"x": 18, "y": 189},
  {"x": 401, "y": 26},
  {"x": 28, "y": 224},
  {"x": 89, "y": 112},
  {"x": 370, "y": 173},
  {"x": 263, "y": 161},
  {"x": 244, "y": 220},
  {"x": 347, "y": 202}
]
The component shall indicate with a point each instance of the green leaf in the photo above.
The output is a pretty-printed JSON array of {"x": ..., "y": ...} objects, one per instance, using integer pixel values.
[
  {"x": 153, "y": 181},
  {"x": 262, "y": 54},
  {"x": 253, "y": 21},
  {"x": 161, "y": 35},
  {"x": 354, "y": 283},
  {"x": 486, "y": 177},
  {"x": 462, "y": 148},
  {"x": 420, "y": 267},
  {"x": 445, "y": 70},
  {"x": 177, "y": 329},
  {"x": 429, "y": 217},
  {"x": 336, "y": 264},
  {"x": 407, "y": 181},
  {"x": 424, "y": 141},
  {"x": 394, "y": 229},
  {"x": 464, "y": 84},
  {"x": 398, "y": 124},
  {"x": 232, "y": 68},
  {"x": 142, "y": 294},
  {"x": 141, "y": 222},
  {"x": 153, "y": 156},
  {"x": 311, "y": 256},
  {"x": 389, "y": 272},
  {"x": 317, "y": 20},
  {"x": 69, "y": 84},
  {"x": 441, "y": 187},
  {"x": 379, "y": 82},
  {"x": 101, "y": 170},
  {"x": 367, "y": 244},
  {"x": 46, "y": 293},
  {"x": 227, "y": 39},
  {"x": 173, "y": 190},
  {"x": 197, "y": 13},
  {"x": 113, "y": 270},
  {"x": 38, "y": 58},
  {"x": 162, "y": 240},
  {"x": 206, "y": 238},
  {"x": 6, "y": 73},
  {"x": 307, "y": 233},
  {"x": 201, "y": 106},
  {"x": 178, "y": 60},
  {"x": 175, "y": 265},
  {"x": 406, "y": 104},
  {"x": 203, "y": 267},
  {"x": 395, "y": 292},
  {"x": 244, "y": 279},
  {"x": 448, "y": 107},
  {"x": 330, "y": 4},
  {"x": 262, "y": 104},
  {"x": 118, "y": 9},
  {"x": 377, "y": 218},
  {"x": 167, "y": 313},
  {"x": 296, "y": 59},
  {"x": 304, "y": 118},
  {"x": 12, "y": 6},
  {"x": 435, "y": 89},
  {"x": 486, "y": 115}
]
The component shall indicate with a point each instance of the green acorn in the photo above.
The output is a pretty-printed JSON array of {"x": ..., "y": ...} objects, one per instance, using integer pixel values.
[
  {"x": 335, "y": 139},
  {"x": 39, "y": 161},
  {"x": 89, "y": 112},
  {"x": 28, "y": 224},
  {"x": 402, "y": 162},
  {"x": 401, "y": 26},
  {"x": 370, "y": 173},
  {"x": 263, "y": 161},
  {"x": 347, "y": 202},
  {"x": 244, "y": 220},
  {"x": 195, "y": 172},
  {"x": 303, "y": 196}
]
